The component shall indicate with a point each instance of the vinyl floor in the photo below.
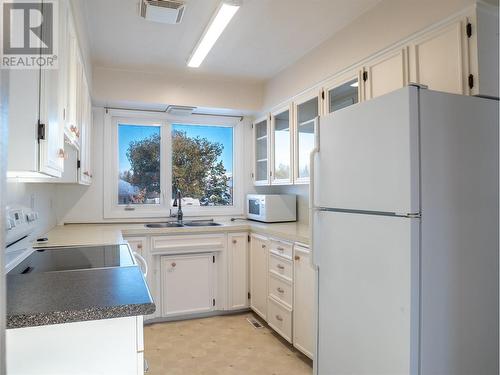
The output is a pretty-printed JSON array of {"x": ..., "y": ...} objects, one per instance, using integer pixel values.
[{"x": 220, "y": 345}]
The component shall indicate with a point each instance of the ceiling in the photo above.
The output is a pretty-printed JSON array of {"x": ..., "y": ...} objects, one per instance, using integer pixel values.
[{"x": 264, "y": 37}]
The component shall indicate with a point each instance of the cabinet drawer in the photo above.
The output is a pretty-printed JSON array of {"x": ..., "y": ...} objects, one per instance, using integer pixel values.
[
  {"x": 281, "y": 248},
  {"x": 281, "y": 267},
  {"x": 279, "y": 318},
  {"x": 280, "y": 289}
]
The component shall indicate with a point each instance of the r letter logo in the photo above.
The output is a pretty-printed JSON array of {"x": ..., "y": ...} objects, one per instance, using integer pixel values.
[{"x": 29, "y": 34}]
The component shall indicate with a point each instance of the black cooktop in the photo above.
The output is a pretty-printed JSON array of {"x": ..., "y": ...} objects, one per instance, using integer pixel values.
[{"x": 74, "y": 258}]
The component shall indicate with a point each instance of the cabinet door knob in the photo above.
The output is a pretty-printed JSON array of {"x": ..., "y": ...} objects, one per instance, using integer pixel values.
[
  {"x": 173, "y": 264},
  {"x": 139, "y": 246},
  {"x": 279, "y": 318},
  {"x": 263, "y": 246},
  {"x": 281, "y": 267},
  {"x": 280, "y": 290},
  {"x": 234, "y": 241},
  {"x": 280, "y": 249},
  {"x": 297, "y": 257}
]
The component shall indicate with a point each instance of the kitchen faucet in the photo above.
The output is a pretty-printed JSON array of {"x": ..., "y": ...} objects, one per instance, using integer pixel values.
[{"x": 178, "y": 203}]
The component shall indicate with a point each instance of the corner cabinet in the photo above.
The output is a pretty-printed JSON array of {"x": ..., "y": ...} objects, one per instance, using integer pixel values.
[
  {"x": 237, "y": 255},
  {"x": 258, "y": 275},
  {"x": 261, "y": 141}
]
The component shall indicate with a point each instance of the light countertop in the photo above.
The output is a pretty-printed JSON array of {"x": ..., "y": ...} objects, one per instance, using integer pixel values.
[{"x": 106, "y": 234}]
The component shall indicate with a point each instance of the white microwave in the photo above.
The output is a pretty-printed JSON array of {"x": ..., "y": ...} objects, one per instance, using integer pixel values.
[{"x": 272, "y": 208}]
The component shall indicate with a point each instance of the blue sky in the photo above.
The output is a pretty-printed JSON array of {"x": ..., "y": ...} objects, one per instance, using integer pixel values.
[{"x": 224, "y": 135}]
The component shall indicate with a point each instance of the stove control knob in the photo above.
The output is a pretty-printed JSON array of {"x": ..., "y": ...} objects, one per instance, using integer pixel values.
[{"x": 31, "y": 217}]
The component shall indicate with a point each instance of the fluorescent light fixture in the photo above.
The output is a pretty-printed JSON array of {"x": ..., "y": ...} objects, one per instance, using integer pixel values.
[
  {"x": 355, "y": 84},
  {"x": 218, "y": 23}
]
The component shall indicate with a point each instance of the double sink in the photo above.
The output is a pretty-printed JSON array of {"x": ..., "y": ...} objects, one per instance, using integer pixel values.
[{"x": 177, "y": 224}]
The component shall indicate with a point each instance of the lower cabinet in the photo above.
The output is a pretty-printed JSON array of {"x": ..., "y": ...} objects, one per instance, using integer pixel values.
[
  {"x": 187, "y": 284},
  {"x": 258, "y": 275},
  {"x": 304, "y": 301},
  {"x": 282, "y": 284},
  {"x": 237, "y": 257},
  {"x": 106, "y": 346}
]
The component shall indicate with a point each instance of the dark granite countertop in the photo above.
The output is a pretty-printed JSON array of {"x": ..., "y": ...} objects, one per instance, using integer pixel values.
[{"x": 62, "y": 297}]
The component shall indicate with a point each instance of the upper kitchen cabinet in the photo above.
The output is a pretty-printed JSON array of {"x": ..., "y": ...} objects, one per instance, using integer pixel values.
[
  {"x": 385, "y": 74},
  {"x": 307, "y": 110},
  {"x": 342, "y": 91},
  {"x": 74, "y": 83},
  {"x": 439, "y": 59},
  {"x": 85, "y": 121},
  {"x": 282, "y": 146},
  {"x": 262, "y": 163},
  {"x": 36, "y": 141}
]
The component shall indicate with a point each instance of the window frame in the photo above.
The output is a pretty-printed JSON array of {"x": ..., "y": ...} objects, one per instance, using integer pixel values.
[{"x": 113, "y": 210}]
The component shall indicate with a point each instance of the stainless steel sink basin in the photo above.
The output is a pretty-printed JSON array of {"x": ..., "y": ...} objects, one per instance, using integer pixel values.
[
  {"x": 201, "y": 224},
  {"x": 164, "y": 225}
]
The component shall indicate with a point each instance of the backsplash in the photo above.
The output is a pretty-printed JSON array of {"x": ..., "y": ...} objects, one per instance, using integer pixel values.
[{"x": 40, "y": 197}]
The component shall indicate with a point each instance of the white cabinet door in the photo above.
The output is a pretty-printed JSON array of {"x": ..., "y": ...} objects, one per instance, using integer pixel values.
[
  {"x": 386, "y": 74},
  {"x": 282, "y": 146},
  {"x": 187, "y": 284},
  {"x": 342, "y": 91},
  {"x": 307, "y": 109},
  {"x": 261, "y": 174},
  {"x": 304, "y": 302},
  {"x": 439, "y": 60},
  {"x": 85, "y": 120},
  {"x": 238, "y": 270},
  {"x": 258, "y": 275},
  {"x": 74, "y": 73}
]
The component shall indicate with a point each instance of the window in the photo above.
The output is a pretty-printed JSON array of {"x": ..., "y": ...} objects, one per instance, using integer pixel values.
[
  {"x": 150, "y": 157},
  {"x": 202, "y": 164},
  {"x": 139, "y": 179}
]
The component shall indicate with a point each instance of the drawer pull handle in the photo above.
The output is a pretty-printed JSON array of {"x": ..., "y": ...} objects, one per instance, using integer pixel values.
[
  {"x": 279, "y": 318},
  {"x": 281, "y": 267},
  {"x": 280, "y": 290},
  {"x": 297, "y": 257},
  {"x": 139, "y": 246},
  {"x": 281, "y": 249},
  {"x": 174, "y": 264}
]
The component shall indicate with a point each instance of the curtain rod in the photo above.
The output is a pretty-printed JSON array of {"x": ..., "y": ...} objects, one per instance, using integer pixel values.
[{"x": 164, "y": 111}]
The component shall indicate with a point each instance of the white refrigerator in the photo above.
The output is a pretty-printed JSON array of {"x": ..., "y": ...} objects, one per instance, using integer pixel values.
[{"x": 405, "y": 235}]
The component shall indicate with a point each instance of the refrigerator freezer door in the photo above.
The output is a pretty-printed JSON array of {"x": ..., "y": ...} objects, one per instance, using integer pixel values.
[
  {"x": 368, "y": 294},
  {"x": 368, "y": 157}
]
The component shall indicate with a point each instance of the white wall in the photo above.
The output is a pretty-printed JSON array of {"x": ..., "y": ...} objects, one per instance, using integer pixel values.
[
  {"x": 383, "y": 25},
  {"x": 112, "y": 87}
]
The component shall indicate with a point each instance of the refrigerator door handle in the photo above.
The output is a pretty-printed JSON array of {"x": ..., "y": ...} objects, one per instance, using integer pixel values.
[{"x": 312, "y": 207}]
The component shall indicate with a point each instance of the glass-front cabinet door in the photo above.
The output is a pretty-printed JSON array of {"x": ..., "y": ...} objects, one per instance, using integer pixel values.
[
  {"x": 343, "y": 92},
  {"x": 261, "y": 151},
  {"x": 307, "y": 112},
  {"x": 281, "y": 146}
]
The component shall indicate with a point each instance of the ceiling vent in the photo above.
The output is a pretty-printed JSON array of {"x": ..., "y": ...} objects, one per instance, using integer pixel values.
[
  {"x": 180, "y": 110},
  {"x": 164, "y": 11}
]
